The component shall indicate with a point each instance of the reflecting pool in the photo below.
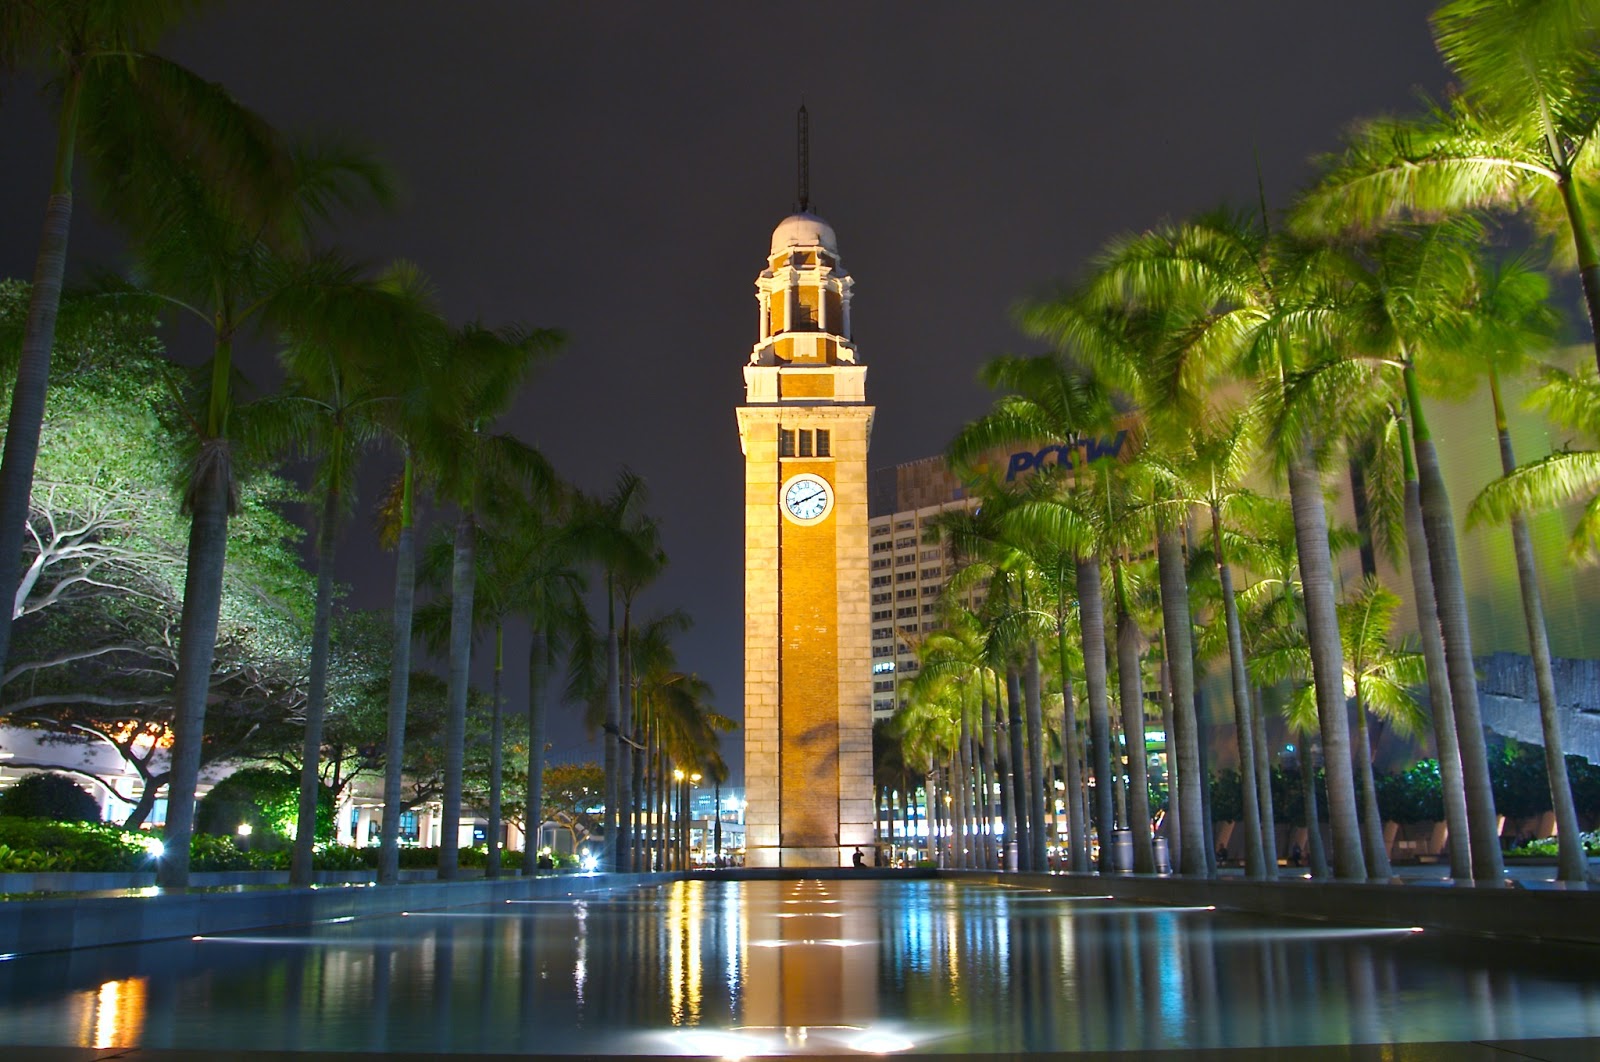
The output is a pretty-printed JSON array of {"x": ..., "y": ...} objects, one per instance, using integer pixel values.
[{"x": 746, "y": 968}]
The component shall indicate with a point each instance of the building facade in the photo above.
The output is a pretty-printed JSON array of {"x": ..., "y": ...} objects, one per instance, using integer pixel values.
[{"x": 804, "y": 427}]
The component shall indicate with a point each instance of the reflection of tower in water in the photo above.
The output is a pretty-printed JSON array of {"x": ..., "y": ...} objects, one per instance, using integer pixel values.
[{"x": 810, "y": 956}]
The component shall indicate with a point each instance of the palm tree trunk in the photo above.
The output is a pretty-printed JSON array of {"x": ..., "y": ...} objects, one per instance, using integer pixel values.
[
  {"x": 612, "y": 854},
  {"x": 33, "y": 369},
  {"x": 1308, "y": 780},
  {"x": 1438, "y": 527},
  {"x": 1263, "y": 764},
  {"x": 628, "y": 759},
  {"x": 1255, "y": 860},
  {"x": 1077, "y": 829},
  {"x": 197, "y": 643},
  {"x": 1588, "y": 260},
  {"x": 1173, "y": 827},
  {"x": 960, "y": 786},
  {"x": 1039, "y": 856},
  {"x": 462, "y": 587},
  {"x": 1005, "y": 775},
  {"x": 305, "y": 838},
  {"x": 1019, "y": 783},
  {"x": 1444, "y": 717},
  {"x": 986, "y": 755},
  {"x": 1570, "y": 859},
  {"x": 533, "y": 808},
  {"x": 497, "y": 753},
  {"x": 405, "y": 587},
  {"x": 1092, "y": 627},
  {"x": 1131, "y": 694},
  {"x": 1327, "y": 664},
  {"x": 1180, "y": 659},
  {"x": 1377, "y": 852}
]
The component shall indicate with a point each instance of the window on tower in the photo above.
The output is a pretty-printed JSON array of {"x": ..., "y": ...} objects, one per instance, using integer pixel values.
[
  {"x": 805, "y": 442},
  {"x": 824, "y": 443},
  {"x": 785, "y": 442}
]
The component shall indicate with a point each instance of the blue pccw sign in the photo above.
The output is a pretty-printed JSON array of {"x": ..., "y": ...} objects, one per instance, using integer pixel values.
[{"x": 1093, "y": 450}]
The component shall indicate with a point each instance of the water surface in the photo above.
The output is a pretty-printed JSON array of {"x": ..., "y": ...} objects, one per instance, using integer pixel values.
[{"x": 771, "y": 967}]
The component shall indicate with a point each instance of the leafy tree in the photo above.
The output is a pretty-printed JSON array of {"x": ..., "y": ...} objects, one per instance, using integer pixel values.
[
  {"x": 133, "y": 113},
  {"x": 267, "y": 800}
]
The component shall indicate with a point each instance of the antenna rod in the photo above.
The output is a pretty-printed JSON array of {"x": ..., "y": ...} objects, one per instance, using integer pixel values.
[{"x": 803, "y": 121}]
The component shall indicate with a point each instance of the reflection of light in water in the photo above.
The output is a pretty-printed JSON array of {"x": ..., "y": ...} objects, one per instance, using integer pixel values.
[
  {"x": 834, "y": 942},
  {"x": 811, "y": 901},
  {"x": 809, "y": 914},
  {"x": 119, "y": 1013},
  {"x": 742, "y": 1042},
  {"x": 683, "y": 952},
  {"x": 1056, "y": 899}
]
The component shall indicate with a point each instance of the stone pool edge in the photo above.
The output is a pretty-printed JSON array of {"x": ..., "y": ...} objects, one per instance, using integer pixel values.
[
  {"x": 1522, "y": 914},
  {"x": 61, "y": 923}
]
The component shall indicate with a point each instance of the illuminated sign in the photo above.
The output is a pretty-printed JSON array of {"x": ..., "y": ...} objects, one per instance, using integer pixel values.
[
  {"x": 882, "y": 667},
  {"x": 1093, "y": 450}
]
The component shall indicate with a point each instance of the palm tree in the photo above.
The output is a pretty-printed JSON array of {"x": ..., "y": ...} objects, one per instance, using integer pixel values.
[
  {"x": 1572, "y": 402},
  {"x": 232, "y": 266},
  {"x": 1407, "y": 307},
  {"x": 482, "y": 475},
  {"x": 346, "y": 339},
  {"x": 1246, "y": 305},
  {"x": 1523, "y": 134},
  {"x": 1209, "y": 472},
  {"x": 546, "y": 589},
  {"x": 1051, "y": 400},
  {"x": 131, "y": 112},
  {"x": 624, "y": 541}
]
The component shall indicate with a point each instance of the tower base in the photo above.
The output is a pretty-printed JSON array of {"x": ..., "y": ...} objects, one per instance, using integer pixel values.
[{"x": 840, "y": 856}]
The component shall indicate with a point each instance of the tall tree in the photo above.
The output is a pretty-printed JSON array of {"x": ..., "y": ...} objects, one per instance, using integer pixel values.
[
  {"x": 114, "y": 95},
  {"x": 346, "y": 340},
  {"x": 233, "y": 265},
  {"x": 481, "y": 474}
]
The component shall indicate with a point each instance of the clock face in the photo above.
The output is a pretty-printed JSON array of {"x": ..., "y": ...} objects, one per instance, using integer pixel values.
[{"x": 807, "y": 498}]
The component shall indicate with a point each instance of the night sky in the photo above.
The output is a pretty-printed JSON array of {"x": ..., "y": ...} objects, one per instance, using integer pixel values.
[{"x": 615, "y": 170}]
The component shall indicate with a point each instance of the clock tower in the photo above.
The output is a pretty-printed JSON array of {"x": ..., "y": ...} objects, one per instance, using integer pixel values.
[{"x": 804, "y": 428}]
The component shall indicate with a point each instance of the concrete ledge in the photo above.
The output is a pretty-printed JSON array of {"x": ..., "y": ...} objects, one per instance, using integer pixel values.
[
  {"x": 1545, "y": 914},
  {"x": 87, "y": 921}
]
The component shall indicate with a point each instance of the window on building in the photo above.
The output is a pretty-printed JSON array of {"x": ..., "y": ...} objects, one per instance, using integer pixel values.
[
  {"x": 785, "y": 442},
  {"x": 882, "y": 547},
  {"x": 932, "y": 554},
  {"x": 881, "y": 632},
  {"x": 881, "y": 598},
  {"x": 931, "y": 591},
  {"x": 880, "y": 562},
  {"x": 907, "y": 576},
  {"x": 883, "y": 706},
  {"x": 805, "y": 442},
  {"x": 932, "y": 573},
  {"x": 905, "y": 613},
  {"x": 880, "y": 616},
  {"x": 927, "y": 610},
  {"x": 880, "y": 529},
  {"x": 904, "y": 543},
  {"x": 883, "y": 650},
  {"x": 824, "y": 443},
  {"x": 905, "y": 525},
  {"x": 883, "y": 687},
  {"x": 905, "y": 595},
  {"x": 881, "y": 580},
  {"x": 409, "y": 827}
]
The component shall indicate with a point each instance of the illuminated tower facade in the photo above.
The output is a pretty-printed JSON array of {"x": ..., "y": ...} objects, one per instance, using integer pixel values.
[{"x": 804, "y": 428}]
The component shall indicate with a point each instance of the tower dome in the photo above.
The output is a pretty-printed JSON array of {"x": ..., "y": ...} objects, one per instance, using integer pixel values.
[{"x": 803, "y": 230}]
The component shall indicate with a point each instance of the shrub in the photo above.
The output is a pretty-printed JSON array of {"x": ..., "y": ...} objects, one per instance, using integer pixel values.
[
  {"x": 265, "y": 798},
  {"x": 209, "y": 852},
  {"x": 39, "y": 844},
  {"x": 49, "y": 796},
  {"x": 1548, "y": 846}
]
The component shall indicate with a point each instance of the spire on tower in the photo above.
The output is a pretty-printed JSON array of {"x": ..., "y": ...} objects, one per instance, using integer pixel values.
[{"x": 803, "y": 131}]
